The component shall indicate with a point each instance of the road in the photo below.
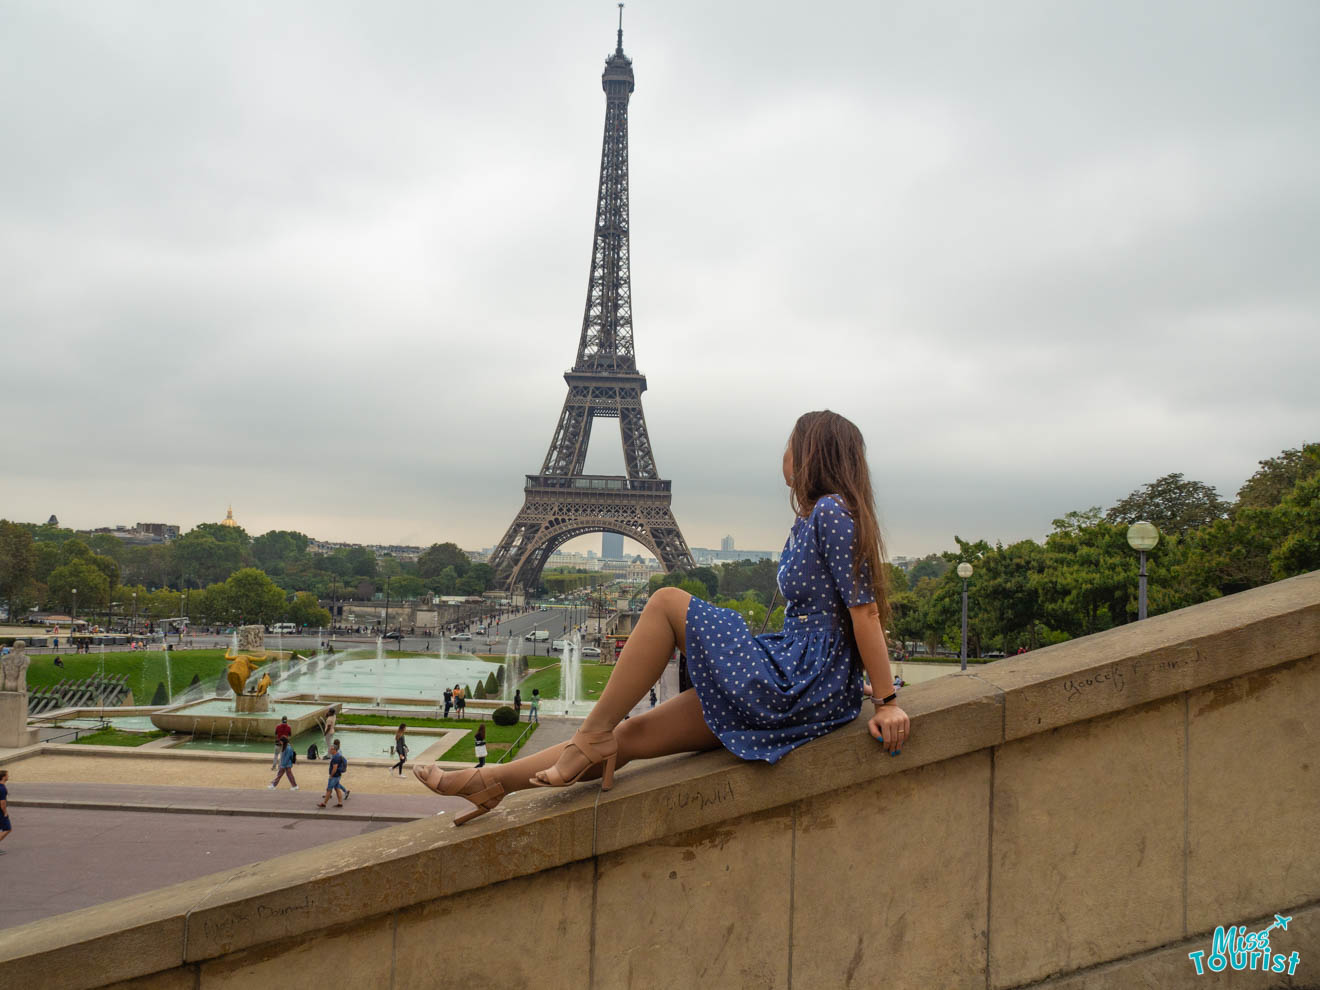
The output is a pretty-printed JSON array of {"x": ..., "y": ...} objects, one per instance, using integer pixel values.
[{"x": 554, "y": 621}]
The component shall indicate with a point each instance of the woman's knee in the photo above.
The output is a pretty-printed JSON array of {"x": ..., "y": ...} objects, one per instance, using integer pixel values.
[{"x": 672, "y": 603}]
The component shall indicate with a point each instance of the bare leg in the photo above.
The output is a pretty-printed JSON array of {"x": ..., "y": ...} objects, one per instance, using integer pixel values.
[
  {"x": 677, "y": 726},
  {"x": 662, "y": 626}
]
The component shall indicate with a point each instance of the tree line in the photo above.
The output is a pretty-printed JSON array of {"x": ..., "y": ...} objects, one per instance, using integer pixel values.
[
  {"x": 1083, "y": 577},
  {"x": 214, "y": 573}
]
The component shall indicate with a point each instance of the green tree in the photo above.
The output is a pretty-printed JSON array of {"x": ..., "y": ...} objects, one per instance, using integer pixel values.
[
  {"x": 931, "y": 566},
  {"x": 92, "y": 585},
  {"x": 160, "y": 697},
  {"x": 406, "y": 587},
  {"x": 444, "y": 583},
  {"x": 1277, "y": 476},
  {"x": 46, "y": 560},
  {"x": 254, "y": 596},
  {"x": 1089, "y": 581},
  {"x": 1172, "y": 503},
  {"x": 306, "y": 612},
  {"x": 278, "y": 548},
  {"x": 18, "y": 565},
  {"x": 438, "y": 556},
  {"x": 199, "y": 558},
  {"x": 492, "y": 686},
  {"x": 1299, "y": 520},
  {"x": 738, "y": 577},
  {"x": 483, "y": 574}
]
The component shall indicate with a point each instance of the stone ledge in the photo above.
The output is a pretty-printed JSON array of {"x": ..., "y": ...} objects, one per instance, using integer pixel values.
[{"x": 365, "y": 877}]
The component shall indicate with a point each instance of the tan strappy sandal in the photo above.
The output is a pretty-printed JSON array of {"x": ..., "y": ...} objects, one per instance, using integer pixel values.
[
  {"x": 467, "y": 784},
  {"x": 596, "y": 747}
]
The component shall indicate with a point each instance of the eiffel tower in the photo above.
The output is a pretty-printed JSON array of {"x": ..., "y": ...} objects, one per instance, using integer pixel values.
[{"x": 561, "y": 502}]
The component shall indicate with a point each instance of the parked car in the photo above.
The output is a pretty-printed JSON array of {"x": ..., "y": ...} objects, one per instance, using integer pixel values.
[
  {"x": 463, "y": 636},
  {"x": 591, "y": 651}
]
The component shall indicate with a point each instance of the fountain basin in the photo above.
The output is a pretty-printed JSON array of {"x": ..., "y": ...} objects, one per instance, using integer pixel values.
[
  {"x": 217, "y": 717},
  {"x": 251, "y": 704}
]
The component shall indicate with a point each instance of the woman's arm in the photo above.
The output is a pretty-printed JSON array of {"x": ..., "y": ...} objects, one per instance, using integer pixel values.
[{"x": 889, "y": 722}]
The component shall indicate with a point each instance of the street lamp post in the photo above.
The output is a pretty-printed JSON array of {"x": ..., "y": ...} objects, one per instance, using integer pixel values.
[
  {"x": 1141, "y": 537},
  {"x": 964, "y": 572},
  {"x": 133, "y": 628}
]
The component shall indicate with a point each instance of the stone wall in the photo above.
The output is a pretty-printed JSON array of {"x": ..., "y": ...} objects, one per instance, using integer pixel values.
[{"x": 1079, "y": 818}]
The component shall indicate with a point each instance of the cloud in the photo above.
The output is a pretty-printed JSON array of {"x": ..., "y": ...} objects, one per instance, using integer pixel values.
[{"x": 329, "y": 262}]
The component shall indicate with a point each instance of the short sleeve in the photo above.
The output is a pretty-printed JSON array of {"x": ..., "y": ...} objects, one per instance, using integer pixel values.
[{"x": 835, "y": 537}]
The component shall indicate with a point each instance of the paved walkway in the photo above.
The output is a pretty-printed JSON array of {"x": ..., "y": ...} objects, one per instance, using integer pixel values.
[
  {"x": 402, "y": 805},
  {"x": 60, "y": 859}
]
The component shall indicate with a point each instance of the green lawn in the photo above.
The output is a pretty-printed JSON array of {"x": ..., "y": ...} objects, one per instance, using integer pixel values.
[
  {"x": 594, "y": 676},
  {"x": 145, "y": 669},
  {"x": 498, "y": 737},
  {"x": 118, "y": 737}
]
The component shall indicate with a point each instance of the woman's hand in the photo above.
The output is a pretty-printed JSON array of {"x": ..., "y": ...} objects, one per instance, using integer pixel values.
[{"x": 892, "y": 725}]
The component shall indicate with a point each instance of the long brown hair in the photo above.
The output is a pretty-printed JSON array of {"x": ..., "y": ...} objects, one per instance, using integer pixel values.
[{"x": 829, "y": 458}]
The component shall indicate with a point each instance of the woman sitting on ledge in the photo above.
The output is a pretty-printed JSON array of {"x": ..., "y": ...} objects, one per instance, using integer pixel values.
[{"x": 757, "y": 696}]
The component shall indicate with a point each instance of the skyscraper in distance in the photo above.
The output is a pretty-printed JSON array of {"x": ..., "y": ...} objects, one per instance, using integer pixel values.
[{"x": 611, "y": 546}]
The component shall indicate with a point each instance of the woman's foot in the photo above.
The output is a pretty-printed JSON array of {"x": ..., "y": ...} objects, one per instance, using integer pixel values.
[
  {"x": 584, "y": 751},
  {"x": 470, "y": 785}
]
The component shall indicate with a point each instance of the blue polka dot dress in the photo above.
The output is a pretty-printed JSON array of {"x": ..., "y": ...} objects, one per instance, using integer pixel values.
[{"x": 764, "y": 695}]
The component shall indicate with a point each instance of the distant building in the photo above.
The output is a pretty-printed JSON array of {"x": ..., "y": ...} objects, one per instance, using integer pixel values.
[
  {"x": 611, "y": 546},
  {"x": 53, "y": 521},
  {"x": 164, "y": 531},
  {"x": 726, "y": 543},
  {"x": 142, "y": 534},
  {"x": 705, "y": 555},
  {"x": 228, "y": 520}
]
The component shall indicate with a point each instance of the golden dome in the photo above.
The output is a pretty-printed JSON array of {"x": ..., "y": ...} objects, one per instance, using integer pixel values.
[{"x": 228, "y": 520}]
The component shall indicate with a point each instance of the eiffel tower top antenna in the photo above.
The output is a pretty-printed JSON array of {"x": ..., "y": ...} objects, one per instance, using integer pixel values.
[{"x": 618, "y": 50}]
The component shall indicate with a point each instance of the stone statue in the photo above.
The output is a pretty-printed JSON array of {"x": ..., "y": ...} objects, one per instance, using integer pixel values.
[
  {"x": 13, "y": 668},
  {"x": 251, "y": 638},
  {"x": 240, "y": 669}
]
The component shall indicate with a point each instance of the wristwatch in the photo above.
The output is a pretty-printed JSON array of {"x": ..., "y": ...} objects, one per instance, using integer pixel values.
[{"x": 881, "y": 702}]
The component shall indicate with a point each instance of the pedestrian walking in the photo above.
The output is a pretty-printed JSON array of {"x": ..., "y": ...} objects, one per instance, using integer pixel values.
[
  {"x": 338, "y": 764},
  {"x": 286, "y": 760},
  {"x": 534, "y": 713},
  {"x": 517, "y": 703},
  {"x": 328, "y": 727},
  {"x": 449, "y": 700},
  {"x": 480, "y": 742},
  {"x": 400, "y": 748},
  {"x": 283, "y": 732},
  {"x": 5, "y": 827}
]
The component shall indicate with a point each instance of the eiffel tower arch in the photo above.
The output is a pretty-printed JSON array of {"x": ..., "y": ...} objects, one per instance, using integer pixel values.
[{"x": 560, "y": 502}]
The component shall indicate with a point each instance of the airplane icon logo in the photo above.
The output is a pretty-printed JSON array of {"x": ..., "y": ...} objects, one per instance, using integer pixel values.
[{"x": 1279, "y": 922}]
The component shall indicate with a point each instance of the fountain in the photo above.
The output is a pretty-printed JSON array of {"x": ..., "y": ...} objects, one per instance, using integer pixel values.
[
  {"x": 511, "y": 664},
  {"x": 169, "y": 673},
  {"x": 380, "y": 669},
  {"x": 570, "y": 673},
  {"x": 251, "y": 704}
]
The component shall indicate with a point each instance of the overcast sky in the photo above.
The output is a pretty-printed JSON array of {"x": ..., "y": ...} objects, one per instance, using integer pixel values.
[{"x": 328, "y": 261}]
